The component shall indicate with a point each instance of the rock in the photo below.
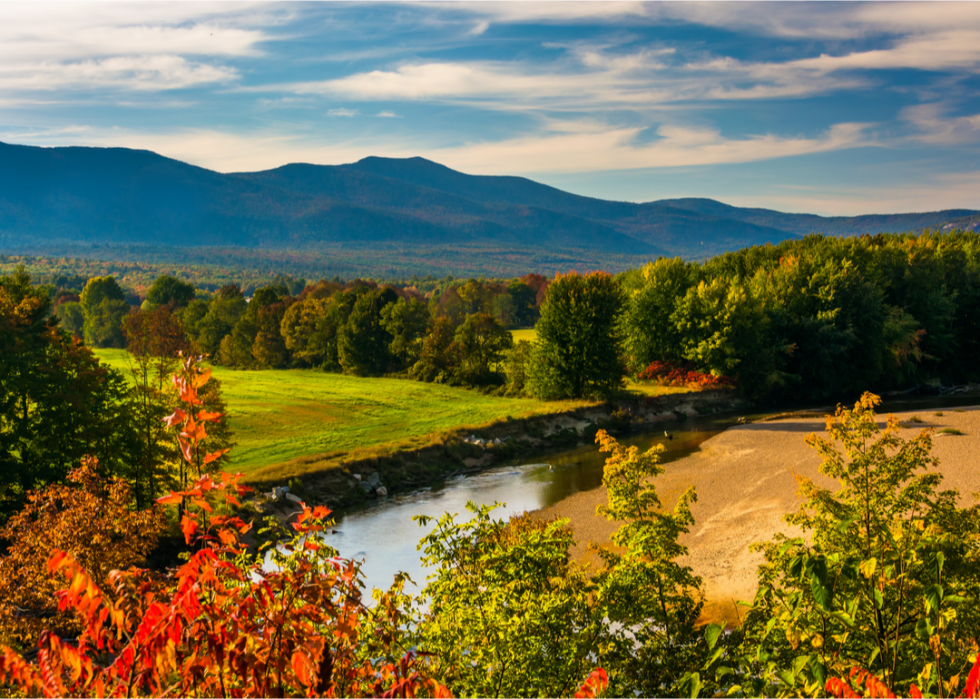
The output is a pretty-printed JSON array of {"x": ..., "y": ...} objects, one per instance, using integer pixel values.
[
  {"x": 357, "y": 477},
  {"x": 293, "y": 498},
  {"x": 497, "y": 442},
  {"x": 278, "y": 493},
  {"x": 381, "y": 492},
  {"x": 374, "y": 480},
  {"x": 366, "y": 487}
]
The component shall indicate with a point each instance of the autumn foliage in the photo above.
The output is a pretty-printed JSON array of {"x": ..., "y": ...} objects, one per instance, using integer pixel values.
[
  {"x": 89, "y": 518},
  {"x": 223, "y": 625},
  {"x": 682, "y": 375}
]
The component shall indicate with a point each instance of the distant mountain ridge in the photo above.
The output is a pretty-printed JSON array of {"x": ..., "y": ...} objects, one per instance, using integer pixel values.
[{"x": 118, "y": 195}]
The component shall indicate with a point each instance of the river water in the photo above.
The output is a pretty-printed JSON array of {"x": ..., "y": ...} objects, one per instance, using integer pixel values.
[{"x": 383, "y": 535}]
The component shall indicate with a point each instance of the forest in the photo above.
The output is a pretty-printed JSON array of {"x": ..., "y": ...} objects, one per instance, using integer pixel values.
[
  {"x": 878, "y": 598},
  {"x": 812, "y": 318}
]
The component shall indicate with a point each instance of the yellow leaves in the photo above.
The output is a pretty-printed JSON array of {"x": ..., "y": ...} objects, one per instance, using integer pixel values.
[{"x": 868, "y": 567}]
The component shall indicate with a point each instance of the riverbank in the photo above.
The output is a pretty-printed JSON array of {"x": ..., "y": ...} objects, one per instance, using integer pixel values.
[
  {"x": 746, "y": 481},
  {"x": 347, "y": 480}
]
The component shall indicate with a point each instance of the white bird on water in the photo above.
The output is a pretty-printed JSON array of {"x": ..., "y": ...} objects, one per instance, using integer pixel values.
[{"x": 668, "y": 435}]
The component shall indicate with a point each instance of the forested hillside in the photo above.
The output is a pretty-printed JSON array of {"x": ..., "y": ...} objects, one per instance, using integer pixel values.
[{"x": 53, "y": 199}]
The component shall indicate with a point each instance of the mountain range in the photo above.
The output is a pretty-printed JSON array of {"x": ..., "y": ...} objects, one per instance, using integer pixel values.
[{"x": 123, "y": 196}]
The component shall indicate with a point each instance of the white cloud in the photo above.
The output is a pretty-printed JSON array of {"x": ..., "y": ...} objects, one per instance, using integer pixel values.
[
  {"x": 615, "y": 149},
  {"x": 582, "y": 148},
  {"x": 79, "y": 30},
  {"x": 341, "y": 112},
  {"x": 159, "y": 72},
  {"x": 928, "y": 193},
  {"x": 931, "y": 125},
  {"x": 387, "y": 114}
]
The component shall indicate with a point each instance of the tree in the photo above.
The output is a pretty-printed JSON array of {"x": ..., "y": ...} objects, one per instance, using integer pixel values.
[
  {"x": 155, "y": 341},
  {"x": 72, "y": 318},
  {"x": 310, "y": 328},
  {"x": 169, "y": 291},
  {"x": 516, "y": 366},
  {"x": 652, "y": 293},
  {"x": 481, "y": 342},
  {"x": 363, "y": 342},
  {"x": 225, "y": 311},
  {"x": 509, "y": 613},
  {"x": 642, "y": 586},
  {"x": 90, "y": 518},
  {"x": 407, "y": 321},
  {"x": 438, "y": 358},
  {"x": 56, "y": 402},
  {"x": 881, "y": 580},
  {"x": 104, "y": 304},
  {"x": 578, "y": 350}
]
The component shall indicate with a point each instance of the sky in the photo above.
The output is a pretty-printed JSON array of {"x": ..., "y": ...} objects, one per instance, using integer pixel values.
[{"x": 829, "y": 108}]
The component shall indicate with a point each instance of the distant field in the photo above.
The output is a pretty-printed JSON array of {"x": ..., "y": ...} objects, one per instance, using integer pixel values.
[
  {"x": 529, "y": 334},
  {"x": 280, "y": 415}
]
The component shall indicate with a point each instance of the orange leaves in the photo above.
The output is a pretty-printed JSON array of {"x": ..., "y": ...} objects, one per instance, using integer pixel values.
[
  {"x": 215, "y": 455},
  {"x": 172, "y": 499},
  {"x": 205, "y": 416},
  {"x": 303, "y": 668},
  {"x": 315, "y": 518},
  {"x": 193, "y": 430},
  {"x": 176, "y": 418},
  {"x": 189, "y": 526},
  {"x": 594, "y": 685}
]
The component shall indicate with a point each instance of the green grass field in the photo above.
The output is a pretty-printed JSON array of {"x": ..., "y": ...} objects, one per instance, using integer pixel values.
[
  {"x": 280, "y": 416},
  {"x": 529, "y": 334}
]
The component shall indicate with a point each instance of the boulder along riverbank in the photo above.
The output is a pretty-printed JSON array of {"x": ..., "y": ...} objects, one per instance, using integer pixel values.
[{"x": 746, "y": 481}]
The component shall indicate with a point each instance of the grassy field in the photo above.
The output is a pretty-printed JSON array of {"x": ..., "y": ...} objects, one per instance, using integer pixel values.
[
  {"x": 280, "y": 416},
  {"x": 529, "y": 334}
]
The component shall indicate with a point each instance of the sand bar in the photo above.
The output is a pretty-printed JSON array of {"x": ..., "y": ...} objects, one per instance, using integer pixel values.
[{"x": 746, "y": 482}]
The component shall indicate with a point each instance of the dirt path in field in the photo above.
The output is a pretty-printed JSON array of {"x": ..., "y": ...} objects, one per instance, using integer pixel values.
[{"x": 746, "y": 482}]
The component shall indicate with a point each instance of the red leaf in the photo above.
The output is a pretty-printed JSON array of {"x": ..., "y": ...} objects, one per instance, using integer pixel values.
[
  {"x": 172, "y": 499},
  {"x": 188, "y": 525},
  {"x": 208, "y": 417}
]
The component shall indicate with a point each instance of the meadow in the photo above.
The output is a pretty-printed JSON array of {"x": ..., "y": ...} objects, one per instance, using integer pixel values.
[{"x": 284, "y": 415}]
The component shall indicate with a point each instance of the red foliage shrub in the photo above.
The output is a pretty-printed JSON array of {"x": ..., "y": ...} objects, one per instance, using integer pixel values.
[{"x": 672, "y": 374}]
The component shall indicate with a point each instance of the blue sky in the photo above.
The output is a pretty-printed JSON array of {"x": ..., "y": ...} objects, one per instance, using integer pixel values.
[{"x": 832, "y": 108}]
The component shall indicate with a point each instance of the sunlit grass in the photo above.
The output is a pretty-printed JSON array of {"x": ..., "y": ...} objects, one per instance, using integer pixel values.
[
  {"x": 283, "y": 415},
  {"x": 529, "y": 334}
]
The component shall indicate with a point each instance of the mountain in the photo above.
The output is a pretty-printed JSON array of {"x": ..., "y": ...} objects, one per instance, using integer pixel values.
[{"x": 116, "y": 195}]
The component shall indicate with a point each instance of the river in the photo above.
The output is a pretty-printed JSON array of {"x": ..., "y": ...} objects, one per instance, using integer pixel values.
[{"x": 383, "y": 535}]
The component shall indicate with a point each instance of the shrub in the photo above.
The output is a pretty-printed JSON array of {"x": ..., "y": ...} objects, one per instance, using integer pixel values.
[{"x": 675, "y": 374}]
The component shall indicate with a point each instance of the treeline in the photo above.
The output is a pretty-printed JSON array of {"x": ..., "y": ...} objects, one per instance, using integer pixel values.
[
  {"x": 815, "y": 317},
  {"x": 810, "y": 318},
  {"x": 58, "y": 403}
]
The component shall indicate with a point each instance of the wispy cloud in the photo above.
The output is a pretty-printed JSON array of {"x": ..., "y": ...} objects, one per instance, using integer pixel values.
[
  {"x": 341, "y": 112},
  {"x": 141, "y": 73},
  {"x": 387, "y": 114}
]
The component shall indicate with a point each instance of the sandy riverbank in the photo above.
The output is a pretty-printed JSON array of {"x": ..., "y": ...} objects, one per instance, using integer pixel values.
[{"x": 746, "y": 482}]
